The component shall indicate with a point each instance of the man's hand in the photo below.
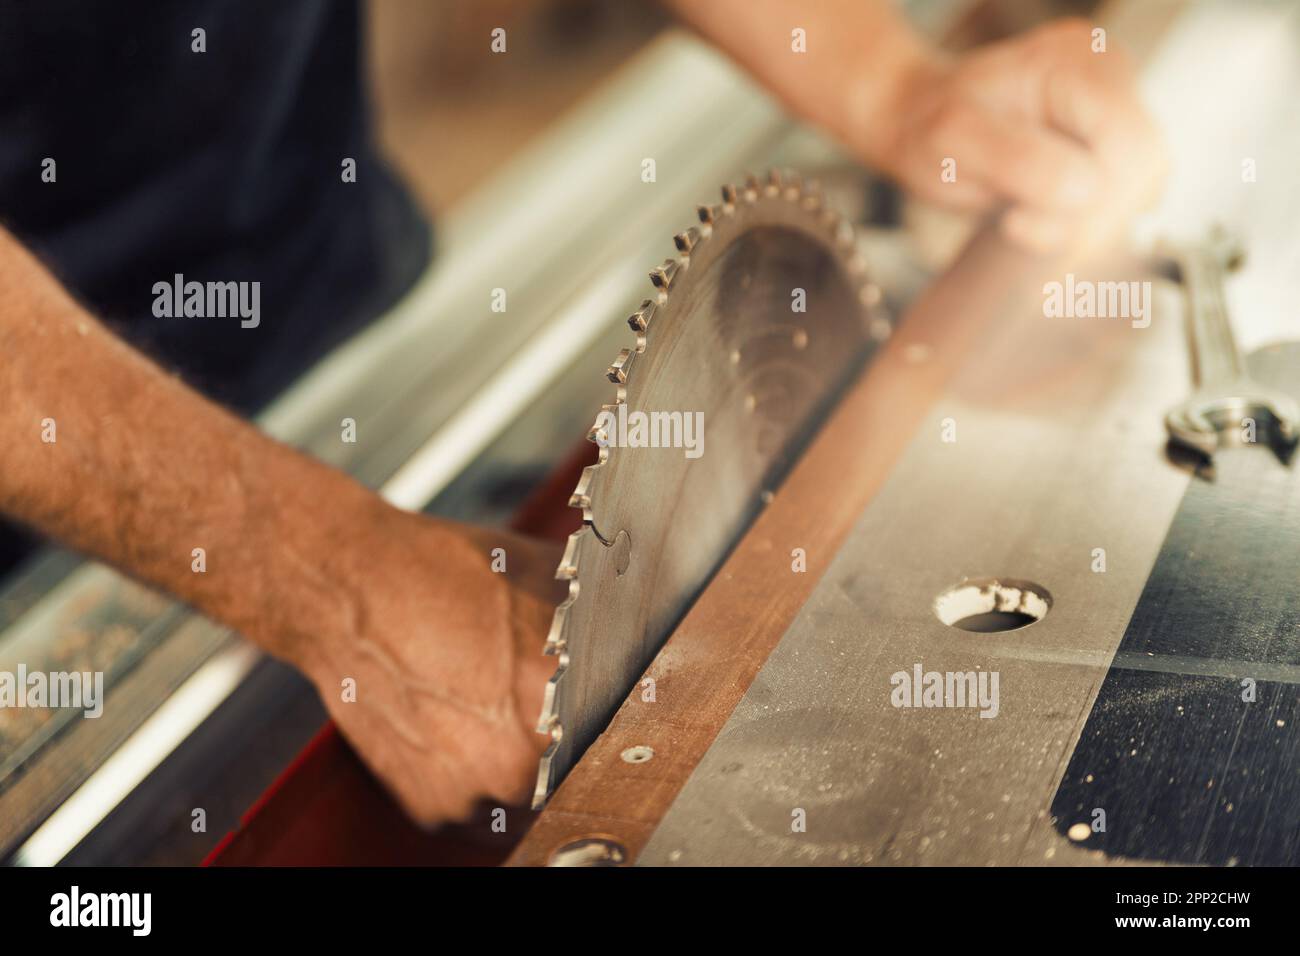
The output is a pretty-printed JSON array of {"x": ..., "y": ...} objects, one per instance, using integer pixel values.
[
  {"x": 1038, "y": 126},
  {"x": 445, "y": 656}
]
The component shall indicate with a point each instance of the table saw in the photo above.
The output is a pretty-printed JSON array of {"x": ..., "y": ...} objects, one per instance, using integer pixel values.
[{"x": 937, "y": 588}]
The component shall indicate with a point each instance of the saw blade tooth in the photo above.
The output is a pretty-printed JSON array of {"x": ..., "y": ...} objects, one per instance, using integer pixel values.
[
  {"x": 639, "y": 321},
  {"x": 586, "y": 495},
  {"x": 710, "y": 216},
  {"x": 753, "y": 186},
  {"x": 663, "y": 276},
  {"x": 730, "y": 196},
  {"x": 617, "y": 372},
  {"x": 842, "y": 232},
  {"x": 791, "y": 185},
  {"x": 597, "y": 434},
  {"x": 581, "y": 497},
  {"x": 775, "y": 184},
  {"x": 810, "y": 197},
  {"x": 686, "y": 241},
  {"x": 568, "y": 567},
  {"x": 548, "y": 722}
]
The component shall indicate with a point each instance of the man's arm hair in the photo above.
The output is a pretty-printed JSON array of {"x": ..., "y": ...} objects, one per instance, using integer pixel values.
[
  {"x": 109, "y": 455},
  {"x": 860, "y": 53}
]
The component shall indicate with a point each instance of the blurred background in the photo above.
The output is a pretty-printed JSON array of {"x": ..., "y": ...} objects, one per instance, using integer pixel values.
[{"x": 449, "y": 116}]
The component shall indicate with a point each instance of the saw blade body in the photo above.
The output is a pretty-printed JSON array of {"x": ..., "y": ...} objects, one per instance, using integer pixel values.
[{"x": 754, "y": 330}]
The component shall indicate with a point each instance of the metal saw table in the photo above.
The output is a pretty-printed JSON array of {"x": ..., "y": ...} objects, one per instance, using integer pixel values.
[{"x": 773, "y": 696}]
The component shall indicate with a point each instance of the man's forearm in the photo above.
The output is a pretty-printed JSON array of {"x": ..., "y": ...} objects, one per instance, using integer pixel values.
[
  {"x": 111, "y": 456},
  {"x": 858, "y": 54}
]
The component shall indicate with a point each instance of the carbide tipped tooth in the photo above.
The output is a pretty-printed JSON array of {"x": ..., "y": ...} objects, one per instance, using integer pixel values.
[
  {"x": 549, "y": 722},
  {"x": 686, "y": 241},
  {"x": 546, "y": 722},
  {"x": 544, "y": 772},
  {"x": 581, "y": 497},
  {"x": 617, "y": 372},
  {"x": 568, "y": 568},
  {"x": 640, "y": 319},
  {"x": 791, "y": 184},
  {"x": 753, "y": 186},
  {"x": 663, "y": 276},
  {"x": 730, "y": 195},
  {"x": 709, "y": 215},
  {"x": 597, "y": 434}
]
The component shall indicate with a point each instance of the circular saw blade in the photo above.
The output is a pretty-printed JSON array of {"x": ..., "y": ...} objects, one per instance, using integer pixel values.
[{"x": 754, "y": 330}]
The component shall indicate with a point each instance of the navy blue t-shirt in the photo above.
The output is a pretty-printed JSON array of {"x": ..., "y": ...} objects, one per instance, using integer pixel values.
[
  {"x": 221, "y": 166},
  {"x": 225, "y": 165}
]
